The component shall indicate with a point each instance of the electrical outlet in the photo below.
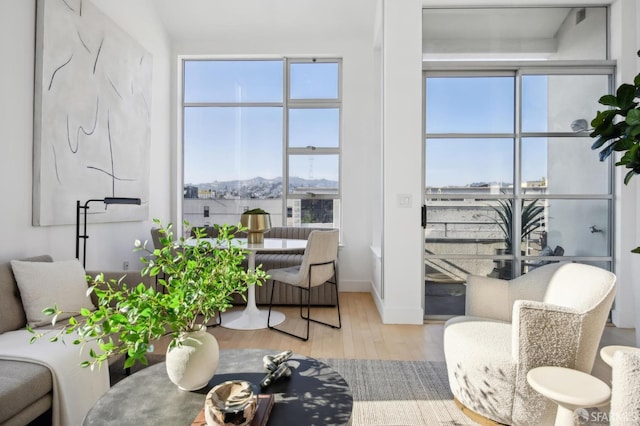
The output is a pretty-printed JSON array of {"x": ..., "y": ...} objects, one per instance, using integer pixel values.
[{"x": 125, "y": 265}]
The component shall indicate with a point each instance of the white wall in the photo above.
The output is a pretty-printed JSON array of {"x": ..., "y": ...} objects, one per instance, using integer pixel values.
[
  {"x": 358, "y": 130},
  {"x": 402, "y": 247},
  {"x": 376, "y": 158},
  {"x": 625, "y": 41},
  {"x": 584, "y": 40},
  {"x": 109, "y": 244},
  {"x": 571, "y": 98}
]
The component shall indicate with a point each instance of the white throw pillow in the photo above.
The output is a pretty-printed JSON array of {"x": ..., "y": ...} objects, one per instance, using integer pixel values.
[{"x": 45, "y": 284}]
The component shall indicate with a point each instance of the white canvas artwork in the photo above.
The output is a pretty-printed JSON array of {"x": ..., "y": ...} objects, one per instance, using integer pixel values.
[{"x": 92, "y": 115}]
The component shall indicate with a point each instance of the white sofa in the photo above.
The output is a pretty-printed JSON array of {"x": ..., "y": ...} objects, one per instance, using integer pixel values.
[
  {"x": 553, "y": 315},
  {"x": 28, "y": 386}
]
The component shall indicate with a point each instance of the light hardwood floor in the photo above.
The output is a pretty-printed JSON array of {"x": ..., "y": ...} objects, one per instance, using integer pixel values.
[{"x": 364, "y": 336}]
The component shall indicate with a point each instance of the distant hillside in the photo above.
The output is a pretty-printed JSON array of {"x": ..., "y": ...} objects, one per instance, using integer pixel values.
[{"x": 260, "y": 181}]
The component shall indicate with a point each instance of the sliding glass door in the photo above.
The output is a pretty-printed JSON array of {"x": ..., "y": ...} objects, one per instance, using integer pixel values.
[{"x": 511, "y": 182}]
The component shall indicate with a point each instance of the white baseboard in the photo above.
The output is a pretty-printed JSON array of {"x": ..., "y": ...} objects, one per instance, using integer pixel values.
[
  {"x": 389, "y": 315},
  {"x": 350, "y": 286},
  {"x": 400, "y": 315}
]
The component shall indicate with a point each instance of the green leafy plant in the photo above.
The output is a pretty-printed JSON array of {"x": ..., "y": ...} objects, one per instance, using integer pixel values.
[
  {"x": 531, "y": 219},
  {"x": 196, "y": 278},
  {"x": 618, "y": 129},
  {"x": 622, "y": 135}
]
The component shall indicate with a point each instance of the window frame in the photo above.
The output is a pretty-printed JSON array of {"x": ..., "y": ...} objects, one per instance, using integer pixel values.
[
  {"x": 309, "y": 150},
  {"x": 286, "y": 104},
  {"x": 518, "y": 70}
]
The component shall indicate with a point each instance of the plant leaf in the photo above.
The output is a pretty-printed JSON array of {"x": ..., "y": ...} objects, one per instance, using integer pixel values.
[
  {"x": 609, "y": 100},
  {"x": 606, "y": 152},
  {"x": 628, "y": 176},
  {"x": 625, "y": 95},
  {"x": 633, "y": 117}
]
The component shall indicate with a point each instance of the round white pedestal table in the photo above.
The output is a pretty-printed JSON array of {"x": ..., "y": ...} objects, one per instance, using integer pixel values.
[
  {"x": 252, "y": 318},
  {"x": 570, "y": 389}
]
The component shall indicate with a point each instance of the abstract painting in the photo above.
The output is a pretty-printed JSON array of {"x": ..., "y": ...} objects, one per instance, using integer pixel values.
[{"x": 91, "y": 115}]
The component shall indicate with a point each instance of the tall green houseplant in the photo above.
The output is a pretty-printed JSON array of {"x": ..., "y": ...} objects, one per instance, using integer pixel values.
[
  {"x": 530, "y": 219},
  {"x": 618, "y": 129}
]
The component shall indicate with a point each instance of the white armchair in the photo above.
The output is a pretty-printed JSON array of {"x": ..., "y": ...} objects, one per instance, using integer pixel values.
[{"x": 554, "y": 315}]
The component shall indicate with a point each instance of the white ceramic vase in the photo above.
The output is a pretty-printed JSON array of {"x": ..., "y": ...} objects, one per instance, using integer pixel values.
[{"x": 191, "y": 365}]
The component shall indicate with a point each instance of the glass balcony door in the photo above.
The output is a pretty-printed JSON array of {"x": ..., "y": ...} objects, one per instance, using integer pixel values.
[{"x": 510, "y": 180}]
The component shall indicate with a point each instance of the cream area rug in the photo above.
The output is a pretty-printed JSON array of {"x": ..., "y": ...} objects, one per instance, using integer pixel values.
[{"x": 395, "y": 393}]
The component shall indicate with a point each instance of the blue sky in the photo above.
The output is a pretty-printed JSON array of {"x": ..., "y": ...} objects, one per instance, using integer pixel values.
[
  {"x": 483, "y": 105},
  {"x": 227, "y": 143}
]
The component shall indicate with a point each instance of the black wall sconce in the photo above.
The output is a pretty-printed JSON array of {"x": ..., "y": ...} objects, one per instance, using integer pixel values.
[{"x": 84, "y": 207}]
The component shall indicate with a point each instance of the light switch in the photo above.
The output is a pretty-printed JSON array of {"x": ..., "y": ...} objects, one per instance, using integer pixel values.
[{"x": 404, "y": 200}]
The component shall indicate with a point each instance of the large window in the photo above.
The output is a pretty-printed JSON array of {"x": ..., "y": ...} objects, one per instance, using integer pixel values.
[
  {"x": 511, "y": 182},
  {"x": 262, "y": 134}
]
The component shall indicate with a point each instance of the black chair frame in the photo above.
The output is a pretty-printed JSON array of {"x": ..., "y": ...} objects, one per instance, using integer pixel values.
[{"x": 308, "y": 291}]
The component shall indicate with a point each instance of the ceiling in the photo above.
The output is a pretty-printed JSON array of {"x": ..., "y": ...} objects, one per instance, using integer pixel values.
[
  {"x": 468, "y": 24},
  {"x": 528, "y": 30},
  {"x": 492, "y": 32},
  {"x": 199, "y": 20}
]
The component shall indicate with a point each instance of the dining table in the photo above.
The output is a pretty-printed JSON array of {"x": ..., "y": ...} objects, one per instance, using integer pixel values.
[{"x": 251, "y": 317}]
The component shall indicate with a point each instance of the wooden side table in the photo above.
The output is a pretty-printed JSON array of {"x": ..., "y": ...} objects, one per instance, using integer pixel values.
[{"x": 570, "y": 389}]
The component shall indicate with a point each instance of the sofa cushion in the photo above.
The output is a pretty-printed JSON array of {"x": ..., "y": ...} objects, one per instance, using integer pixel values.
[
  {"x": 12, "y": 316},
  {"x": 22, "y": 384},
  {"x": 44, "y": 284}
]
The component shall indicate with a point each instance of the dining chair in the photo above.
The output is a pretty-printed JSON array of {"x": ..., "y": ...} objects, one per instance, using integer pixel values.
[{"x": 319, "y": 266}]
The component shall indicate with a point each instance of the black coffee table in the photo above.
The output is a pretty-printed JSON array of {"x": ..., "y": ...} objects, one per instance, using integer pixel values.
[{"x": 314, "y": 395}]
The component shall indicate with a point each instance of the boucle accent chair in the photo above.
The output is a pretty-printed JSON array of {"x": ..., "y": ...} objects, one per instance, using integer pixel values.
[
  {"x": 554, "y": 315},
  {"x": 625, "y": 388}
]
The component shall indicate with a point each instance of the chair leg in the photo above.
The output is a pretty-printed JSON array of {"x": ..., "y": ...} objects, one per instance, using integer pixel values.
[
  {"x": 127, "y": 371},
  {"x": 300, "y": 305},
  {"x": 271, "y": 327},
  {"x": 335, "y": 284},
  {"x": 218, "y": 320},
  {"x": 273, "y": 287}
]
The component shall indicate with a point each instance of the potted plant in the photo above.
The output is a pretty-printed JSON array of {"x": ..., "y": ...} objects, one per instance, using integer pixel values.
[
  {"x": 200, "y": 277},
  {"x": 531, "y": 218},
  {"x": 618, "y": 128},
  {"x": 257, "y": 222}
]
